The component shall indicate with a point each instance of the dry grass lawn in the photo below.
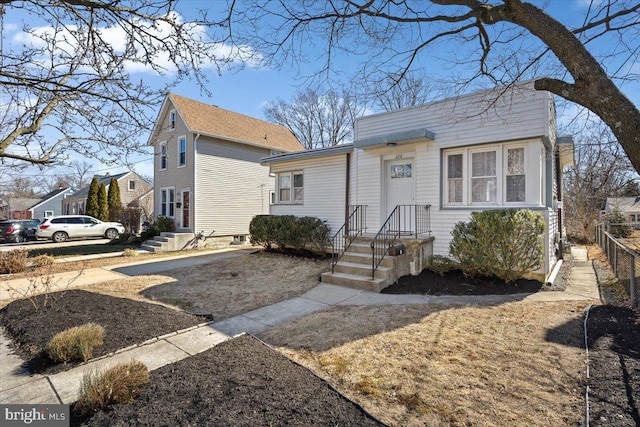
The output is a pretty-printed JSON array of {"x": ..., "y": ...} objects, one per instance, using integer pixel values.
[{"x": 516, "y": 364}]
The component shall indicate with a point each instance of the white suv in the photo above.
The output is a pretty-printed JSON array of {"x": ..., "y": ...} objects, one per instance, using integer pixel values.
[{"x": 61, "y": 228}]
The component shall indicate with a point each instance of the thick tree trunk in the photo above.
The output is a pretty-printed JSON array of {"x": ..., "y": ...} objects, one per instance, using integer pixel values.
[{"x": 592, "y": 87}]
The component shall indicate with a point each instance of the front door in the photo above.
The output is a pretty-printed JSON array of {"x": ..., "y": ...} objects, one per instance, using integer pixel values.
[
  {"x": 399, "y": 184},
  {"x": 186, "y": 210}
]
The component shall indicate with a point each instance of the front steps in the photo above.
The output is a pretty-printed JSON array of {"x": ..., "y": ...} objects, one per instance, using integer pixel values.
[
  {"x": 354, "y": 269},
  {"x": 168, "y": 242}
]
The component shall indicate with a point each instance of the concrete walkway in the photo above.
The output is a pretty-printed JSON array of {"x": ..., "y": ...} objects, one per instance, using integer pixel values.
[{"x": 19, "y": 387}]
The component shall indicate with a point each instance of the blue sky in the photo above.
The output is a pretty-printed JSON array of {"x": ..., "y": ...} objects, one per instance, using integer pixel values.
[{"x": 247, "y": 90}]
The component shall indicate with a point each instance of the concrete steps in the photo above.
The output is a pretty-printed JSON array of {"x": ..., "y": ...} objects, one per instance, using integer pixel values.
[
  {"x": 169, "y": 242},
  {"x": 354, "y": 269}
]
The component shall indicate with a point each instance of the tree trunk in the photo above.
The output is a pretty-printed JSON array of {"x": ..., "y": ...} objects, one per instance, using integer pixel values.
[{"x": 592, "y": 87}]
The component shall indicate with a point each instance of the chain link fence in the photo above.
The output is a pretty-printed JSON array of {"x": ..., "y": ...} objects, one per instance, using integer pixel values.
[{"x": 625, "y": 261}]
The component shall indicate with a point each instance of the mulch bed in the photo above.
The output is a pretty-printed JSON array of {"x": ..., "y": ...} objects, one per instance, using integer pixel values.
[
  {"x": 126, "y": 323},
  {"x": 455, "y": 283},
  {"x": 241, "y": 382},
  {"x": 614, "y": 355}
]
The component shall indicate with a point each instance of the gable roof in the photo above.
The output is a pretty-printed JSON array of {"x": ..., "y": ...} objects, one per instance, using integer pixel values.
[
  {"x": 50, "y": 196},
  {"x": 217, "y": 122},
  {"x": 102, "y": 179}
]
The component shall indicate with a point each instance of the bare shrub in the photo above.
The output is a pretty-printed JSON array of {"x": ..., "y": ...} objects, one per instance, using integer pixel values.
[
  {"x": 14, "y": 261},
  {"x": 43, "y": 261},
  {"x": 130, "y": 252},
  {"x": 75, "y": 343},
  {"x": 119, "y": 384},
  {"x": 41, "y": 287}
]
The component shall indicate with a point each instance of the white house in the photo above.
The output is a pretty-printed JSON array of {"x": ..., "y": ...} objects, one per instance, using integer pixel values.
[
  {"x": 434, "y": 164},
  {"x": 207, "y": 172}
]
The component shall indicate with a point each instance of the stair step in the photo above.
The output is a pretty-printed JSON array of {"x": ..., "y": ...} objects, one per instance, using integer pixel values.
[
  {"x": 153, "y": 243},
  {"x": 355, "y": 281},
  {"x": 363, "y": 270},
  {"x": 149, "y": 248},
  {"x": 161, "y": 239},
  {"x": 362, "y": 248},
  {"x": 360, "y": 258}
]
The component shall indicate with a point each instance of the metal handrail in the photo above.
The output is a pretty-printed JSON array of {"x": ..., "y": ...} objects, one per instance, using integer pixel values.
[
  {"x": 404, "y": 220},
  {"x": 352, "y": 228}
]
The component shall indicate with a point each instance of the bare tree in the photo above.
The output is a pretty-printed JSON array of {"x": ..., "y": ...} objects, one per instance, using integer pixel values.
[
  {"x": 601, "y": 170},
  {"x": 66, "y": 78},
  {"x": 22, "y": 187},
  {"x": 79, "y": 174},
  {"x": 505, "y": 40},
  {"x": 395, "y": 92},
  {"x": 317, "y": 120}
]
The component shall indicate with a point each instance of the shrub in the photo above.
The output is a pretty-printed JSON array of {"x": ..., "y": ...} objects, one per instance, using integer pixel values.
[
  {"x": 618, "y": 224},
  {"x": 120, "y": 384},
  {"x": 43, "y": 261},
  {"x": 289, "y": 231},
  {"x": 505, "y": 243},
  {"x": 129, "y": 252},
  {"x": 75, "y": 343},
  {"x": 14, "y": 261},
  {"x": 441, "y": 264},
  {"x": 164, "y": 223}
]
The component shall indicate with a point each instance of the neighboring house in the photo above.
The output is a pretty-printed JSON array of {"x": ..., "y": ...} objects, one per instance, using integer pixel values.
[
  {"x": 18, "y": 207},
  {"x": 446, "y": 159},
  {"x": 629, "y": 206},
  {"x": 50, "y": 204},
  {"x": 132, "y": 189},
  {"x": 207, "y": 172}
]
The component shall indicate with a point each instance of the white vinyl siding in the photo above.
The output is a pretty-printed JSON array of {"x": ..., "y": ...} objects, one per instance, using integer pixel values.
[
  {"x": 324, "y": 189},
  {"x": 232, "y": 187}
]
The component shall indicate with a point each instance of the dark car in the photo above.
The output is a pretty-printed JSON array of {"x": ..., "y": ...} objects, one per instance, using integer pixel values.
[{"x": 18, "y": 230}]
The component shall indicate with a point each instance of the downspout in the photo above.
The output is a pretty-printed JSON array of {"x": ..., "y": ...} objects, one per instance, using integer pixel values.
[
  {"x": 347, "y": 189},
  {"x": 558, "y": 171},
  {"x": 195, "y": 182}
]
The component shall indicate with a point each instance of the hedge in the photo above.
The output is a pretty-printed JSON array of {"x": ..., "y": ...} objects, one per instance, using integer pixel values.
[{"x": 289, "y": 231}]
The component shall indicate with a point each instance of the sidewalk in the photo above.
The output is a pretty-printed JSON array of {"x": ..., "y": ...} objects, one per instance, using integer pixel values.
[{"x": 18, "y": 387}]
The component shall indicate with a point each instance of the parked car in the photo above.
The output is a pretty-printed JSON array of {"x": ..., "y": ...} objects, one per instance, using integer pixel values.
[
  {"x": 18, "y": 230},
  {"x": 64, "y": 227}
]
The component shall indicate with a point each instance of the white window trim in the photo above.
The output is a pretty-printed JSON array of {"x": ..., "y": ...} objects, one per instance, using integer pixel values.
[
  {"x": 172, "y": 119},
  {"x": 166, "y": 156},
  {"x": 168, "y": 203},
  {"x": 501, "y": 169},
  {"x": 291, "y": 200},
  {"x": 180, "y": 138},
  {"x": 47, "y": 214},
  {"x": 135, "y": 185}
]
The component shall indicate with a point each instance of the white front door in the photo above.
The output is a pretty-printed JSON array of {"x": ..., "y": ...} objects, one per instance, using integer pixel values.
[{"x": 399, "y": 184}]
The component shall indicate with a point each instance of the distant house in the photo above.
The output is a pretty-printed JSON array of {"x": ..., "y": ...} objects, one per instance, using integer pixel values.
[
  {"x": 17, "y": 207},
  {"x": 51, "y": 203},
  {"x": 135, "y": 192},
  {"x": 629, "y": 206},
  {"x": 207, "y": 172}
]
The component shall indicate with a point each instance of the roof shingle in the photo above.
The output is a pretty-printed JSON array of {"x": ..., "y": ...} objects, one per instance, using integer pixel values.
[{"x": 215, "y": 121}]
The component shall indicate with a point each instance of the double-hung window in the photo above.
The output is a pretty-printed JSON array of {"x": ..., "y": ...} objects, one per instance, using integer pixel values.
[
  {"x": 290, "y": 187},
  {"x": 182, "y": 151},
  {"x": 486, "y": 175},
  {"x": 167, "y": 202},
  {"x": 172, "y": 119},
  {"x": 163, "y": 156}
]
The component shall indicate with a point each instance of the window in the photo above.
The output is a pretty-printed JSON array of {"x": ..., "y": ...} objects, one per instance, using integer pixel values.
[
  {"x": 81, "y": 208},
  {"x": 163, "y": 155},
  {"x": 515, "y": 175},
  {"x": 132, "y": 185},
  {"x": 167, "y": 202},
  {"x": 488, "y": 175},
  {"x": 290, "y": 187},
  {"x": 483, "y": 177},
  {"x": 454, "y": 178},
  {"x": 47, "y": 214},
  {"x": 182, "y": 151},
  {"x": 172, "y": 119}
]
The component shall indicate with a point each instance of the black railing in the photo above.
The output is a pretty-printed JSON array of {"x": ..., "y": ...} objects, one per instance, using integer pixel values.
[
  {"x": 352, "y": 228},
  {"x": 404, "y": 221}
]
